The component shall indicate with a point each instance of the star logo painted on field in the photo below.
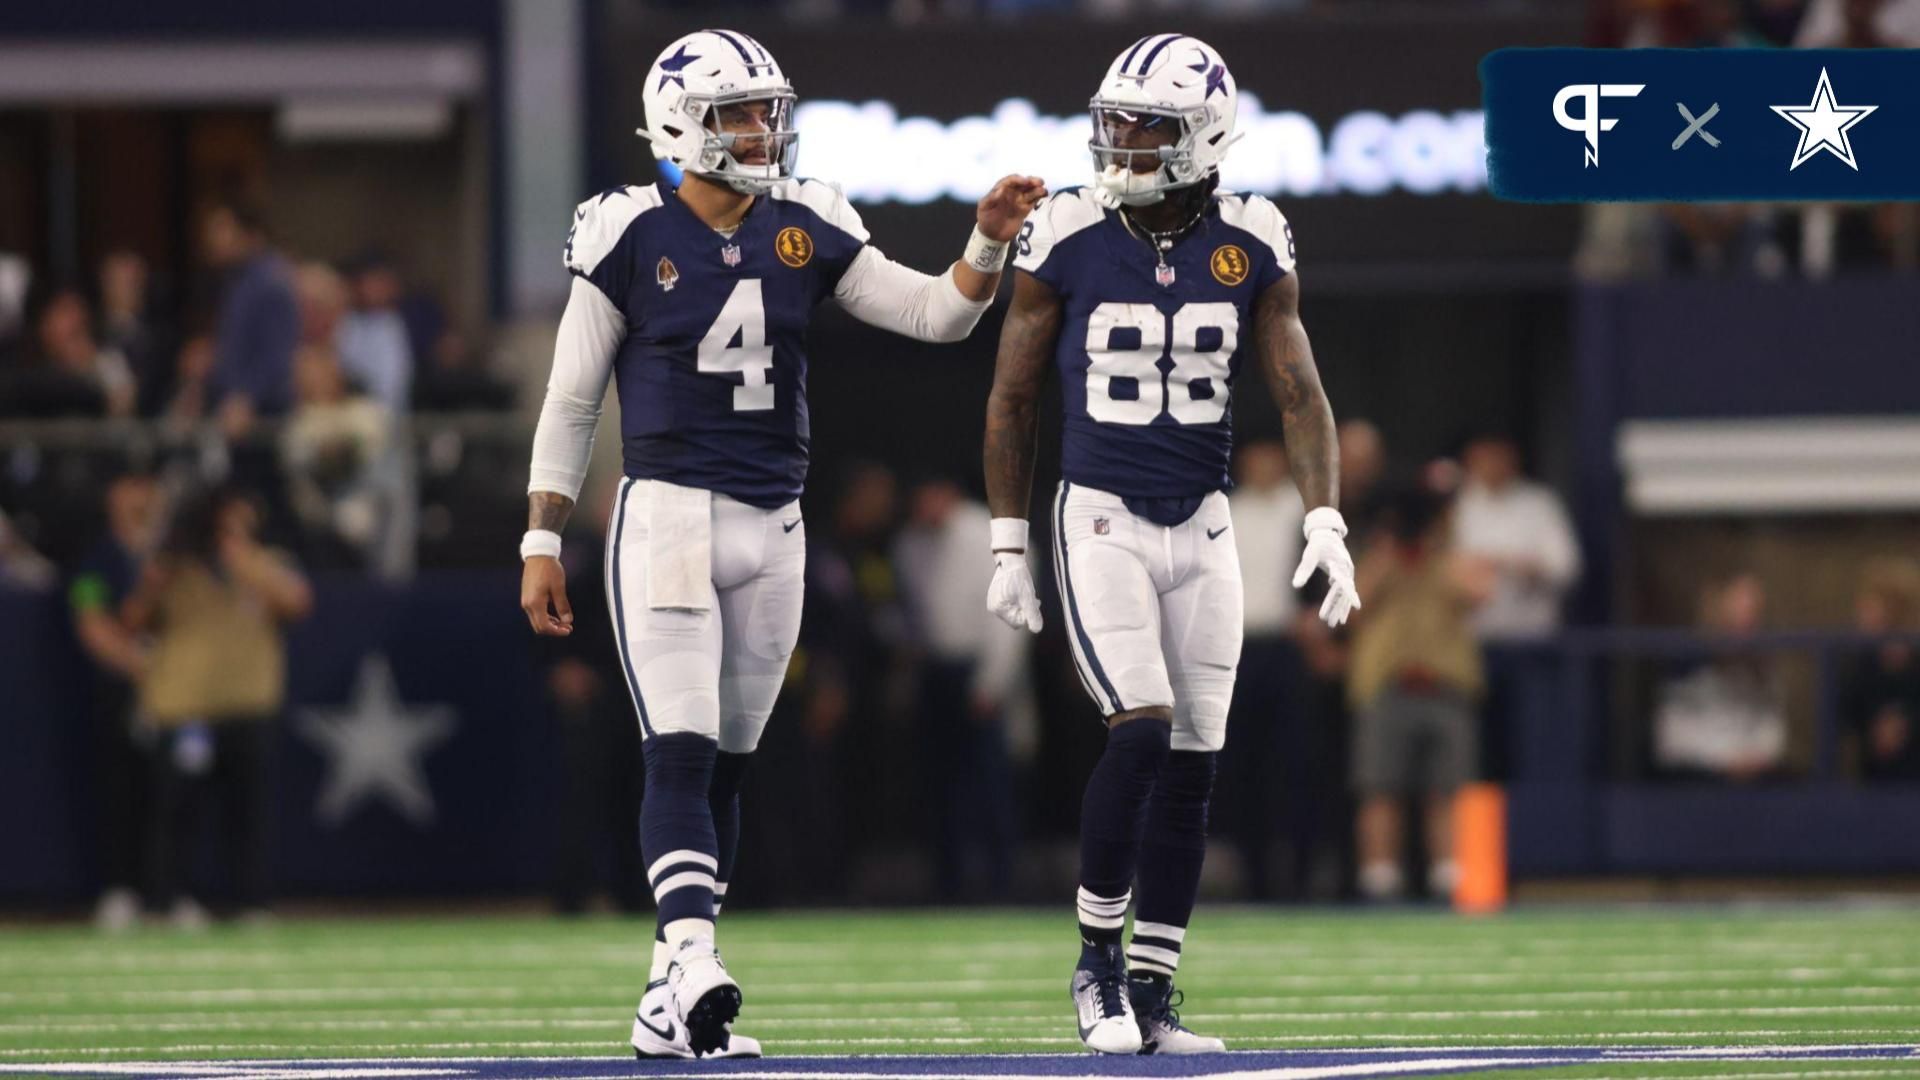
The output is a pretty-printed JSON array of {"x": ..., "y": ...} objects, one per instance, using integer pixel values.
[
  {"x": 373, "y": 745},
  {"x": 1823, "y": 125},
  {"x": 672, "y": 67}
]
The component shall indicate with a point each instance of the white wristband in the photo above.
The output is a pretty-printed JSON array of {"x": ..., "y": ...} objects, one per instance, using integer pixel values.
[
  {"x": 1009, "y": 534},
  {"x": 540, "y": 542},
  {"x": 1324, "y": 517},
  {"x": 983, "y": 254}
]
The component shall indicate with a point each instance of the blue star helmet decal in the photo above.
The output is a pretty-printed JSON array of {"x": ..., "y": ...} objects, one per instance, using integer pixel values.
[
  {"x": 1216, "y": 80},
  {"x": 672, "y": 66}
]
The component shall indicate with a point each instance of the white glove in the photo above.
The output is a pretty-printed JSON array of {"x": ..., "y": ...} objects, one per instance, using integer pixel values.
[
  {"x": 1326, "y": 533},
  {"x": 1011, "y": 594}
]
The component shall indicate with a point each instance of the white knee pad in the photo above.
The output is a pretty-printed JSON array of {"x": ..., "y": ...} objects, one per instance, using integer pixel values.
[
  {"x": 678, "y": 692},
  {"x": 1116, "y": 628}
]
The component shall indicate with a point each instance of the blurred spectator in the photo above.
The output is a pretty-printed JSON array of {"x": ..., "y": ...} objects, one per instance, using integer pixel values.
[
  {"x": 372, "y": 340},
  {"x": 214, "y": 602},
  {"x": 598, "y": 842},
  {"x": 972, "y": 667},
  {"x": 1363, "y": 462},
  {"x": 192, "y": 376},
  {"x": 332, "y": 449},
  {"x": 1860, "y": 24},
  {"x": 456, "y": 378},
  {"x": 1414, "y": 678},
  {"x": 1326, "y": 652},
  {"x": 128, "y": 324},
  {"x": 67, "y": 346},
  {"x": 1267, "y": 738},
  {"x": 258, "y": 320},
  {"x": 101, "y": 584},
  {"x": 1728, "y": 718},
  {"x": 321, "y": 296},
  {"x": 16, "y": 279},
  {"x": 1880, "y": 692},
  {"x": 830, "y": 722},
  {"x": 20, "y": 565},
  {"x": 1521, "y": 531}
]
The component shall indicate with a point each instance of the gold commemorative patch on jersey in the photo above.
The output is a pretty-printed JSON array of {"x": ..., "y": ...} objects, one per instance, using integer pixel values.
[
  {"x": 1230, "y": 264},
  {"x": 794, "y": 246}
]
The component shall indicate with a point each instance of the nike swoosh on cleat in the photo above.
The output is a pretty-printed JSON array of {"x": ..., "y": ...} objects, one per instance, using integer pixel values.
[
  {"x": 789, "y": 526},
  {"x": 1214, "y": 534},
  {"x": 665, "y": 1033}
]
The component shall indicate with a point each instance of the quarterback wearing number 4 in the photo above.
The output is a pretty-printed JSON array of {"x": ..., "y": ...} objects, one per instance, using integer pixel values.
[
  {"x": 1146, "y": 290},
  {"x": 695, "y": 300}
]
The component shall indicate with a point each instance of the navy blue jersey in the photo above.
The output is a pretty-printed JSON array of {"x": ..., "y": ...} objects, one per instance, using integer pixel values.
[
  {"x": 712, "y": 376},
  {"x": 1147, "y": 365}
]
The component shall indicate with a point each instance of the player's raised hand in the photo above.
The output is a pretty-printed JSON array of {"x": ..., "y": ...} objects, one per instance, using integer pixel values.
[
  {"x": 1326, "y": 549},
  {"x": 1011, "y": 594},
  {"x": 1002, "y": 210},
  {"x": 543, "y": 596}
]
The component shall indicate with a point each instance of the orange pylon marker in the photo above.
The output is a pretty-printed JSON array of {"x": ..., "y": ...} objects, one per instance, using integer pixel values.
[{"x": 1480, "y": 848}]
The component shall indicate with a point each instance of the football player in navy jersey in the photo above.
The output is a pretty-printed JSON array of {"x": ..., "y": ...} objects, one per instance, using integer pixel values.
[
  {"x": 1146, "y": 290},
  {"x": 694, "y": 300}
]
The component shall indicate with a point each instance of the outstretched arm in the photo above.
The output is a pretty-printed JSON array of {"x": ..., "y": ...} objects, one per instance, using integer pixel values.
[
  {"x": 943, "y": 307},
  {"x": 1026, "y": 347},
  {"x": 1313, "y": 446}
]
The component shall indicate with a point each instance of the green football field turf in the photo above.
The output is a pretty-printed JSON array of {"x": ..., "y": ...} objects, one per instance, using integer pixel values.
[{"x": 980, "y": 982}]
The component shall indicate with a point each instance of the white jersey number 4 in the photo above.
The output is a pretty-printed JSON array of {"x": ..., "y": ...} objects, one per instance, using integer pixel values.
[
  {"x": 743, "y": 316},
  {"x": 1194, "y": 391}
]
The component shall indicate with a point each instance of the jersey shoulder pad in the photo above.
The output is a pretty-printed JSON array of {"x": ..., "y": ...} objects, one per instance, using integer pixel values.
[
  {"x": 600, "y": 222},
  {"x": 827, "y": 202},
  {"x": 1059, "y": 216},
  {"x": 1257, "y": 216}
]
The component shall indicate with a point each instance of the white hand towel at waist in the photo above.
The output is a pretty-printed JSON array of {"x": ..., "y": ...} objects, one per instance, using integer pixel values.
[{"x": 679, "y": 547}]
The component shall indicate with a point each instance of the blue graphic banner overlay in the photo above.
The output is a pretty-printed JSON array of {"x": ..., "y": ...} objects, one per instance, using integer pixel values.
[{"x": 1682, "y": 125}]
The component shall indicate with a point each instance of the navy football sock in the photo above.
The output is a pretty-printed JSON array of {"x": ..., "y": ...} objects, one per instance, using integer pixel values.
[
  {"x": 1171, "y": 852},
  {"x": 724, "y": 799},
  {"x": 676, "y": 832},
  {"x": 1112, "y": 817}
]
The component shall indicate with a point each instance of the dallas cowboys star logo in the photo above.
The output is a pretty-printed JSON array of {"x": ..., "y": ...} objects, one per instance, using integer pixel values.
[
  {"x": 1216, "y": 75},
  {"x": 673, "y": 66},
  {"x": 373, "y": 745},
  {"x": 1823, "y": 125}
]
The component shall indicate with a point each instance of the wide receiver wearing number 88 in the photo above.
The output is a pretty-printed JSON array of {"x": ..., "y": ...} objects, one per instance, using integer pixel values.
[
  {"x": 695, "y": 300},
  {"x": 1146, "y": 290}
]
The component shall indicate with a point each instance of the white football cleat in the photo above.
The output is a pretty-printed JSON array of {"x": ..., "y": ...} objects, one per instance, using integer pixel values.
[
  {"x": 657, "y": 1033},
  {"x": 705, "y": 998},
  {"x": 1105, "y": 1010},
  {"x": 1155, "y": 1001}
]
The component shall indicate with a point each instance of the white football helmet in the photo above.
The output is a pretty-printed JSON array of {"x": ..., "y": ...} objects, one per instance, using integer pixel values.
[
  {"x": 686, "y": 85},
  {"x": 1163, "y": 78}
]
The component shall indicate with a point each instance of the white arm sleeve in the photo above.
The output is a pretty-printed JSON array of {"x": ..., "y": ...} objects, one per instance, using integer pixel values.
[
  {"x": 591, "y": 331},
  {"x": 883, "y": 293}
]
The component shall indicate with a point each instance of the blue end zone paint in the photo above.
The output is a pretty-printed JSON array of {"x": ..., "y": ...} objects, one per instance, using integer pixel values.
[{"x": 1244, "y": 1065}]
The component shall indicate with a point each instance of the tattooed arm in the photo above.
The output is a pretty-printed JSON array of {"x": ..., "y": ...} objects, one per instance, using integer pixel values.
[
  {"x": 1313, "y": 449},
  {"x": 1026, "y": 348}
]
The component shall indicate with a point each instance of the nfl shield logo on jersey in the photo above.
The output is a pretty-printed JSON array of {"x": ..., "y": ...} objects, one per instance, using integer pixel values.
[
  {"x": 1163, "y": 274},
  {"x": 1101, "y": 527},
  {"x": 730, "y": 254},
  {"x": 666, "y": 274}
]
